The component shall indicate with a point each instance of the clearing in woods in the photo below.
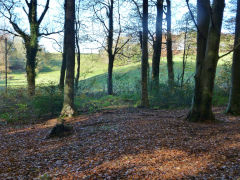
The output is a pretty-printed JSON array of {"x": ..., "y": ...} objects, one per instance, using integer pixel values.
[{"x": 128, "y": 143}]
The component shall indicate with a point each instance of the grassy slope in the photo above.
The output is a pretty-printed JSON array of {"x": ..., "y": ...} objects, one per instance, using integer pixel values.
[
  {"x": 17, "y": 106},
  {"x": 94, "y": 69}
]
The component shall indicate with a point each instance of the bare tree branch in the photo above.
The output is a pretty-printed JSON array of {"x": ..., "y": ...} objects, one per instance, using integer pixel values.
[
  {"x": 229, "y": 52},
  {"x": 9, "y": 32},
  {"x": 58, "y": 43},
  {"x": 140, "y": 15},
  {"x": 119, "y": 49},
  {"x": 193, "y": 19},
  {"x": 119, "y": 32},
  {"x": 25, "y": 11},
  {"x": 138, "y": 9},
  {"x": 50, "y": 33},
  {"x": 102, "y": 44},
  {"x": 28, "y": 4},
  {"x": 104, "y": 24},
  {"x": 11, "y": 21},
  {"x": 44, "y": 12}
]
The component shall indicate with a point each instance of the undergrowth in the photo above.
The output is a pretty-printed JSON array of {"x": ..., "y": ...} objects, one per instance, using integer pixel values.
[{"x": 18, "y": 108}]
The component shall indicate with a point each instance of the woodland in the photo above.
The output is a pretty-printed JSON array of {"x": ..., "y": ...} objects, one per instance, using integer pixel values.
[{"x": 120, "y": 89}]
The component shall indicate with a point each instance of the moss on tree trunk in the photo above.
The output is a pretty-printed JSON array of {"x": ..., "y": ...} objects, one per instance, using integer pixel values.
[
  {"x": 206, "y": 70},
  {"x": 31, "y": 48}
]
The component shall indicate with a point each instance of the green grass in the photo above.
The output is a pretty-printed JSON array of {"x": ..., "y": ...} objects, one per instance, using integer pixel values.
[
  {"x": 94, "y": 69},
  {"x": 17, "y": 107}
]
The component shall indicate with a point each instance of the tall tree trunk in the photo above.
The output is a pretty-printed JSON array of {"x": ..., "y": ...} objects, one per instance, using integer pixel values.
[
  {"x": 64, "y": 64},
  {"x": 140, "y": 38},
  {"x": 110, "y": 73},
  {"x": 157, "y": 46},
  {"x": 144, "y": 83},
  {"x": 77, "y": 36},
  {"x": 31, "y": 39},
  {"x": 110, "y": 49},
  {"x": 184, "y": 53},
  {"x": 31, "y": 45},
  {"x": 63, "y": 71},
  {"x": 6, "y": 64},
  {"x": 169, "y": 45},
  {"x": 203, "y": 110},
  {"x": 78, "y": 62},
  {"x": 203, "y": 20},
  {"x": 30, "y": 67},
  {"x": 234, "y": 98},
  {"x": 69, "y": 46}
]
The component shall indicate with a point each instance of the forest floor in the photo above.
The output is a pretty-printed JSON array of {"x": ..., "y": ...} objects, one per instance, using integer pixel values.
[{"x": 127, "y": 143}]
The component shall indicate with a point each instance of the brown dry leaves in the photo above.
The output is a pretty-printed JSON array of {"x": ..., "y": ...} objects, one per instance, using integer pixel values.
[{"x": 125, "y": 144}]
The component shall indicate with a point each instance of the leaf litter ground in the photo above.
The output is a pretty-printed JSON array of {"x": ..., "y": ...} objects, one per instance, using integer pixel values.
[{"x": 126, "y": 143}]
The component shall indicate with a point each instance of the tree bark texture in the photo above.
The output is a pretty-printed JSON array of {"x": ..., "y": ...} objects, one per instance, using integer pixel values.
[
  {"x": 203, "y": 20},
  {"x": 63, "y": 71},
  {"x": 184, "y": 54},
  {"x": 110, "y": 49},
  {"x": 6, "y": 65},
  {"x": 234, "y": 98},
  {"x": 63, "y": 67},
  {"x": 78, "y": 61},
  {"x": 157, "y": 46},
  {"x": 202, "y": 105},
  {"x": 69, "y": 46},
  {"x": 31, "y": 45},
  {"x": 144, "y": 69},
  {"x": 30, "y": 68},
  {"x": 169, "y": 45}
]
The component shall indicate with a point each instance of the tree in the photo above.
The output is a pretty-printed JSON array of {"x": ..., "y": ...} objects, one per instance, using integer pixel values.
[
  {"x": 157, "y": 45},
  {"x": 69, "y": 51},
  {"x": 188, "y": 37},
  {"x": 60, "y": 129},
  {"x": 30, "y": 39},
  {"x": 203, "y": 20},
  {"x": 169, "y": 44},
  {"x": 185, "y": 52},
  {"x": 110, "y": 46},
  {"x": 144, "y": 71},
  {"x": 63, "y": 69},
  {"x": 77, "y": 36},
  {"x": 60, "y": 48},
  {"x": 112, "y": 50},
  {"x": 234, "y": 102},
  {"x": 206, "y": 64}
]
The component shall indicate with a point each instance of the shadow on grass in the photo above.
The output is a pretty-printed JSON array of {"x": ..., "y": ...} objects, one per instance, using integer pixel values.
[{"x": 92, "y": 97}]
